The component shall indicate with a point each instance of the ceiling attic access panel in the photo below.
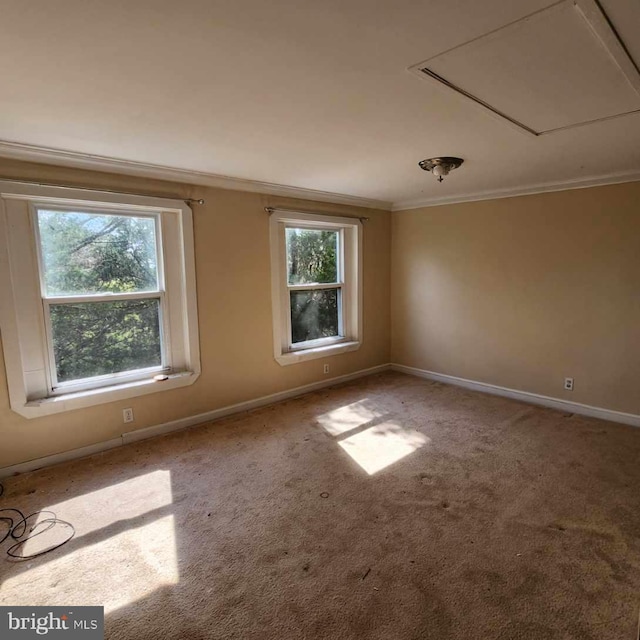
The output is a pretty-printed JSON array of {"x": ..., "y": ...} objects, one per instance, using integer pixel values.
[{"x": 561, "y": 67}]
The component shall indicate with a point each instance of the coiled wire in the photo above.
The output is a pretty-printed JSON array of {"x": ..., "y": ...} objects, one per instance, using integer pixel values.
[{"x": 21, "y": 529}]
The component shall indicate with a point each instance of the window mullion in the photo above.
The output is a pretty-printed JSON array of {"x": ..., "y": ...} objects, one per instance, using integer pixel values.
[
  {"x": 52, "y": 374},
  {"x": 315, "y": 286},
  {"x": 108, "y": 297}
]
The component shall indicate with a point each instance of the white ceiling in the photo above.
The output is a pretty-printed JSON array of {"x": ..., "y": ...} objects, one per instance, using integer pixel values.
[{"x": 313, "y": 95}]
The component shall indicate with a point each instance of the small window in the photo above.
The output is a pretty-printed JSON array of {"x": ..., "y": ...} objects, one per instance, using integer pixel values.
[
  {"x": 316, "y": 285},
  {"x": 103, "y": 297}
]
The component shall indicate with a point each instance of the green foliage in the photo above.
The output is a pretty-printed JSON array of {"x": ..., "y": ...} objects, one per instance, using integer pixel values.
[
  {"x": 86, "y": 254},
  {"x": 312, "y": 258},
  {"x": 99, "y": 338},
  {"x": 314, "y": 314}
]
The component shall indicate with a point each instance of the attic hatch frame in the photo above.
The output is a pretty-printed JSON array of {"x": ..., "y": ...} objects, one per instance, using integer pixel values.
[{"x": 595, "y": 17}]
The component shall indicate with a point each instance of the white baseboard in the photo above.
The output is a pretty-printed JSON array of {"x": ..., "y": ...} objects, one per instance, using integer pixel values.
[
  {"x": 524, "y": 396},
  {"x": 216, "y": 414},
  {"x": 57, "y": 458},
  {"x": 184, "y": 423}
]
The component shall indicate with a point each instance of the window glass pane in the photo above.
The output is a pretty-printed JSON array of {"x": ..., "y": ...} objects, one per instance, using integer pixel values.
[
  {"x": 85, "y": 253},
  {"x": 99, "y": 338},
  {"x": 312, "y": 256},
  {"x": 314, "y": 314}
]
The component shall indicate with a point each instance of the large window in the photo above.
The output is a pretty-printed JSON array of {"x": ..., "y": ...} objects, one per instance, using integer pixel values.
[
  {"x": 102, "y": 297},
  {"x": 316, "y": 285}
]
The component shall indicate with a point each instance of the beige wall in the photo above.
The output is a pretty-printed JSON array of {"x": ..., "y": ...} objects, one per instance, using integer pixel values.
[
  {"x": 234, "y": 301},
  {"x": 517, "y": 292},
  {"x": 522, "y": 292}
]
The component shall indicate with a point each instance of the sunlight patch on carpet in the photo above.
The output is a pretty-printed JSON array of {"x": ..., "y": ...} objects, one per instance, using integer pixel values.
[
  {"x": 126, "y": 500},
  {"x": 349, "y": 417},
  {"x": 124, "y": 547},
  {"x": 114, "y": 572},
  {"x": 383, "y": 444}
]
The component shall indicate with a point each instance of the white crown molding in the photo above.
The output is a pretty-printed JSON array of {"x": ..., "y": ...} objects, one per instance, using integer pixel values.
[
  {"x": 32, "y": 153},
  {"x": 548, "y": 187}
]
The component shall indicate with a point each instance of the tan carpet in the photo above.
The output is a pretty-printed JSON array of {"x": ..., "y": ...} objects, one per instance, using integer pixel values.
[{"x": 491, "y": 519}]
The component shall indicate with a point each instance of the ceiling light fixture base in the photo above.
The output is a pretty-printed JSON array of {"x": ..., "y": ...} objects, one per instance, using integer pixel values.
[{"x": 440, "y": 166}]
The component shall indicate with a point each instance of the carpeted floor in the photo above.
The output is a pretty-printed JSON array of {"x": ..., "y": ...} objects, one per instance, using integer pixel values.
[{"x": 389, "y": 508}]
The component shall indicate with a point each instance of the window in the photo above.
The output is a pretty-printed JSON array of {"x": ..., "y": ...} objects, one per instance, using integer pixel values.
[
  {"x": 316, "y": 285},
  {"x": 101, "y": 292}
]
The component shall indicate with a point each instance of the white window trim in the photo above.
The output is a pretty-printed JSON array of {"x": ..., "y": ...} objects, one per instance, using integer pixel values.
[
  {"x": 351, "y": 245},
  {"x": 25, "y": 346}
]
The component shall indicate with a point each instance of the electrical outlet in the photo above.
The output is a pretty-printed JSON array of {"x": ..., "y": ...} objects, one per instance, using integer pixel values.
[
  {"x": 568, "y": 384},
  {"x": 127, "y": 415},
  {"x": 326, "y": 368}
]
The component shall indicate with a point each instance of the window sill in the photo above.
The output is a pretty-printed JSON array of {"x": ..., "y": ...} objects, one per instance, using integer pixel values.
[
  {"x": 294, "y": 357},
  {"x": 92, "y": 397}
]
